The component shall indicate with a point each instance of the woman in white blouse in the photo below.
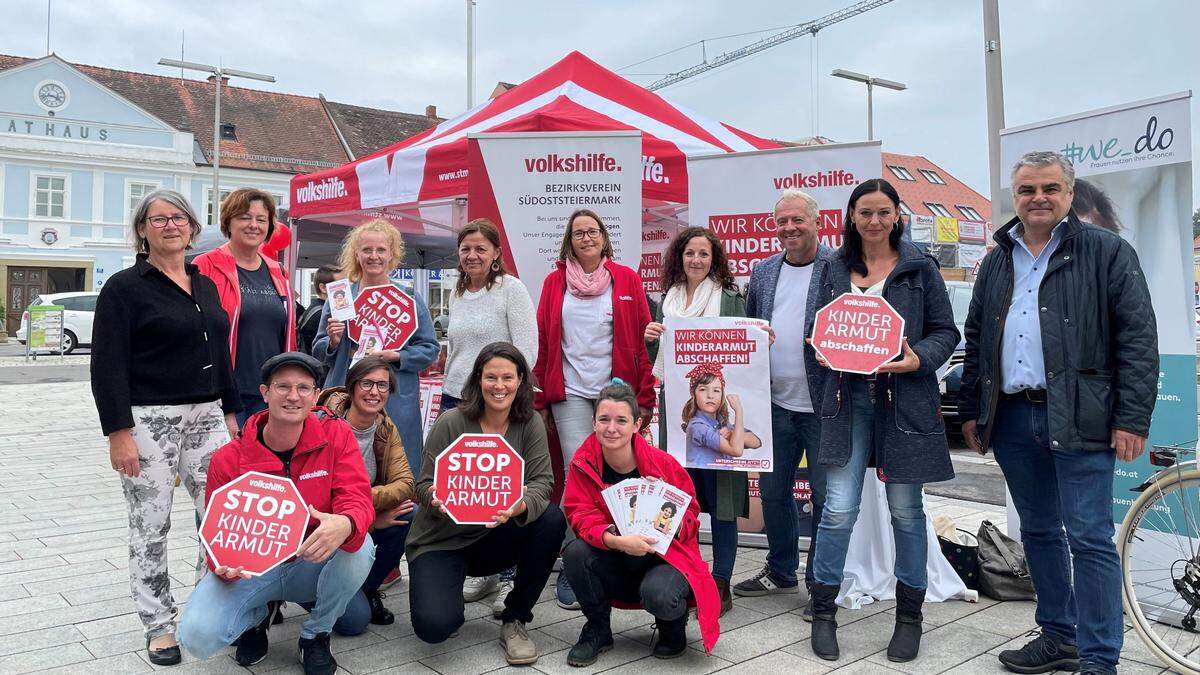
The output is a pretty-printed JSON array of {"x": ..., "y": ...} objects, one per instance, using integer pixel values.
[{"x": 487, "y": 305}]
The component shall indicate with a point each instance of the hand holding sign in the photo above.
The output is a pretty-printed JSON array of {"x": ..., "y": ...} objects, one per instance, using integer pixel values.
[
  {"x": 387, "y": 308},
  {"x": 909, "y": 361},
  {"x": 332, "y": 532},
  {"x": 504, "y": 516}
]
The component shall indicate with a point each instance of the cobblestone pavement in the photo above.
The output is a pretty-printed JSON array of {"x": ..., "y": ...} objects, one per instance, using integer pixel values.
[{"x": 65, "y": 606}]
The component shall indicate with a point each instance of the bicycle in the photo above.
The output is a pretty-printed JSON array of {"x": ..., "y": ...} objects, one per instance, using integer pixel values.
[{"x": 1159, "y": 547}]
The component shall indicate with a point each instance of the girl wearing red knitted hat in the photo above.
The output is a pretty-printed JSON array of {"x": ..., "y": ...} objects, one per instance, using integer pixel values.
[{"x": 706, "y": 419}]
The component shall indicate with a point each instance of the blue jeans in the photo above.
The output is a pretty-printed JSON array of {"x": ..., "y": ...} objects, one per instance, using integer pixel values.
[
  {"x": 1055, "y": 489},
  {"x": 389, "y": 547},
  {"x": 219, "y": 611},
  {"x": 843, "y": 495},
  {"x": 794, "y": 434}
]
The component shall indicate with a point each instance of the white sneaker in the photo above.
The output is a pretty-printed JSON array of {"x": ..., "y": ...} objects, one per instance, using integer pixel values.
[
  {"x": 478, "y": 588},
  {"x": 498, "y": 603}
]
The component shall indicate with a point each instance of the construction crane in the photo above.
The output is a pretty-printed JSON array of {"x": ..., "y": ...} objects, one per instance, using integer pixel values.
[{"x": 807, "y": 28}]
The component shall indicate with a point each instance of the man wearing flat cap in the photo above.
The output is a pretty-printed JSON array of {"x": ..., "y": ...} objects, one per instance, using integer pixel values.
[{"x": 318, "y": 451}]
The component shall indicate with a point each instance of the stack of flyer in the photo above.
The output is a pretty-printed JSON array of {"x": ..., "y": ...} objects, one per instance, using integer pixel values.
[{"x": 647, "y": 507}]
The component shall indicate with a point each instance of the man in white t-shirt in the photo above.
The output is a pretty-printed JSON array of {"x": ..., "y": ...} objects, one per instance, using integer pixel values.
[{"x": 783, "y": 289}]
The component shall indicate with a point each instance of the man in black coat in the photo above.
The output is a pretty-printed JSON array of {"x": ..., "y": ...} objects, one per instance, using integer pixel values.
[{"x": 1060, "y": 378}]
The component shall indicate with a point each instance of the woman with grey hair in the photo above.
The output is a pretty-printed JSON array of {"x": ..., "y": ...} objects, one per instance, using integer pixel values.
[{"x": 165, "y": 394}]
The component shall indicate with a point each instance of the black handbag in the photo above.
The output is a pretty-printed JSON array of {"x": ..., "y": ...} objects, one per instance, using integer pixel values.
[
  {"x": 964, "y": 558},
  {"x": 1003, "y": 572}
]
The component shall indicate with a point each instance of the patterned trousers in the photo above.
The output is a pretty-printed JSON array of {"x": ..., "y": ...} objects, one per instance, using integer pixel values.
[{"x": 172, "y": 440}]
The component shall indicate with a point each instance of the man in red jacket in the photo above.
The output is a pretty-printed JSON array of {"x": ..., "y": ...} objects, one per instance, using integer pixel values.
[{"x": 319, "y": 452}]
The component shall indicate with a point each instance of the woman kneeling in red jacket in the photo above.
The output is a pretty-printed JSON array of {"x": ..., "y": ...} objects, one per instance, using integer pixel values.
[{"x": 604, "y": 566}]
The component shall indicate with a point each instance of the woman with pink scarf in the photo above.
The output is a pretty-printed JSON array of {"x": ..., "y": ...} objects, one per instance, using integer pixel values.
[{"x": 591, "y": 319}]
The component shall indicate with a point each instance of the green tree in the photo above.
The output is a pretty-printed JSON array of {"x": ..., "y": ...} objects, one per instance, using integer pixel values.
[{"x": 1196, "y": 224}]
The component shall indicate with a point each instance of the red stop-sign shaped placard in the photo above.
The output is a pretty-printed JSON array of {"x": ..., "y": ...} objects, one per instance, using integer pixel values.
[
  {"x": 389, "y": 309},
  {"x": 255, "y": 521},
  {"x": 858, "y": 333},
  {"x": 476, "y": 476}
]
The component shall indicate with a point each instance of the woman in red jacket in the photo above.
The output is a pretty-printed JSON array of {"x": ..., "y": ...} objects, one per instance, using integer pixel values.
[
  {"x": 604, "y": 566},
  {"x": 254, "y": 291},
  {"x": 591, "y": 320}
]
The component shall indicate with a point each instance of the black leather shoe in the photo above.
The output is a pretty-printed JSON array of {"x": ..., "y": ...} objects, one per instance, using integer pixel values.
[
  {"x": 315, "y": 655},
  {"x": 1043, "y": 654},
  {"x": 380, "y": 615},
  {"x": 672, "y": 638},
  {"x": 167, "y": 656}
]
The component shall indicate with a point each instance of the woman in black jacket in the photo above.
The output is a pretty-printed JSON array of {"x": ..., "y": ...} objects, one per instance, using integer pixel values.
[
  {"x": 890, "y": 420},
  {"x": 165, "y": 394}
]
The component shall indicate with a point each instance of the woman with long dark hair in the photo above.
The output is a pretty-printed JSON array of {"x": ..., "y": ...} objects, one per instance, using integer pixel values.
[
  {"x": 889, "y": 420},
  {"x": 497, "y": 399},
  {"x": 696, "y": 281}
]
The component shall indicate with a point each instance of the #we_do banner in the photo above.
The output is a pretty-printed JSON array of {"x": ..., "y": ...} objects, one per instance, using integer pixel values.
[
  {"x": 1139, "y": 154},
  {"x": 734, "y": 194},
  {"x": 529, "y": 183},
  {"x": 718, "y": 384}
]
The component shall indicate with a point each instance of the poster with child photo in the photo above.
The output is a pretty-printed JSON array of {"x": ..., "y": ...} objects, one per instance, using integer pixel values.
[{"x": 718, "y": 393}]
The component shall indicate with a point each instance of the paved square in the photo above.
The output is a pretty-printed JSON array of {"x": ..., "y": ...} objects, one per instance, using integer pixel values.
[{"x": 65, "y": 607}]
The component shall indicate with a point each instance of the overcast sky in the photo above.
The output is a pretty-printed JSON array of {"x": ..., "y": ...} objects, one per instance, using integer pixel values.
[{"x": 1060, "y": 56}]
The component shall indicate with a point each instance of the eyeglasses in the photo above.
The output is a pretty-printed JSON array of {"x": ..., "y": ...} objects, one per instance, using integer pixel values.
[
  {"x": 159, "y": 222},
  {"x": 282, "y": 389},
  {"x": 377, "y": 385},
  {"x": 580, "y": 235}
]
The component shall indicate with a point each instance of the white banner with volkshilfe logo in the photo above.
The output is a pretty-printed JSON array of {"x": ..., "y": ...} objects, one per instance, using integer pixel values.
[
  {"x": 734, "y": 194},
  {"x": 1140, "y": 156},
  {"x": 529, "y": 184}
]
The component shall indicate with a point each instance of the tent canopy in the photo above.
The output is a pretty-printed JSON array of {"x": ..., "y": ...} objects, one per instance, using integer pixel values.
[{"x": 419, "y": 184}]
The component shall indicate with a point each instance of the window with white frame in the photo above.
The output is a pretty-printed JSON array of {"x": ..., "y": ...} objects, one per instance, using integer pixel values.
[
  {"x": 968, "y": 212},
  {"x": 900, "y": 172},
  {"x": 137, "y": 191},
  {"x": 50, "y": 196},
  {"x": 938, "y": 209},
  {"x": 904, "y": 209},
  {"x": 208, "y": 209},
  {"x": 932, "y": 176}
]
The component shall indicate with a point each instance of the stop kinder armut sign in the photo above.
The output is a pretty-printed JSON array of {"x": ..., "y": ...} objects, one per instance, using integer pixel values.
[
  {"x": 255, "y": 522},
  {"x": 476, "y": 476},
  {"x": 387, "y": 308},
  {"x": 857, "y": 333}
]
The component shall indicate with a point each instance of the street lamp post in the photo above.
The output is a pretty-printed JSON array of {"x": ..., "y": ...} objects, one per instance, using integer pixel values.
[
  {"x": 870, "y": 82},
  {"x": 218, "y": 74}
]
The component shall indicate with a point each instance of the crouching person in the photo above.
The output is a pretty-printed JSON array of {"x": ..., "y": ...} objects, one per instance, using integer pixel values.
[
  {"x": 318, "y": 451},
  {"x": 497, "y": 399},
  {"x": 362, "y": 404},
  {"x": 604, "y": 566}
]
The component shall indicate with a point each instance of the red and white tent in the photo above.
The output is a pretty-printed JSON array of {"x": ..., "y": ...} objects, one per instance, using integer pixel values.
[{"x": 414, "y": 183}]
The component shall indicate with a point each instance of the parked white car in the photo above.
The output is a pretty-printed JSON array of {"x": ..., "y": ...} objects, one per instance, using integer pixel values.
[{"x": 79, "y": 310}]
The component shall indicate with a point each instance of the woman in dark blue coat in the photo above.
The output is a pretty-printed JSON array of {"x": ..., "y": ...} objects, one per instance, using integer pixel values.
[{"x": 890, "y": 420}]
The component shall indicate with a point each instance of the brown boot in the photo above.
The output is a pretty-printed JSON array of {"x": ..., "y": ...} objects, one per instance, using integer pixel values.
[{"x": 726, "y": 597}]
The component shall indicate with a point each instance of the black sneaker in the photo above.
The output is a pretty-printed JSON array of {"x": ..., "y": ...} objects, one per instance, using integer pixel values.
[
  {"x": 672, "y": 638},
  {"x": 593, "y": 641},
  {"x": 315, "y": 655},
  {"x": 252, "y": 646},
  {"x": 1042, "y": 654},
  {"x": 764, "y": 583},
  {"x": 380, "y": 615}
]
